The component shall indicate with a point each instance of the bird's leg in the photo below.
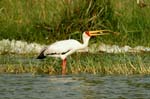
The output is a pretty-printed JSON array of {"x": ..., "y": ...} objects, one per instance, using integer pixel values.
[{"x": 64, "y": 66}]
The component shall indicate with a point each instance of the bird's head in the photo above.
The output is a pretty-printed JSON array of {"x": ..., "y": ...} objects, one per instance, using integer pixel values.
[{"x": 97, "y": 32}]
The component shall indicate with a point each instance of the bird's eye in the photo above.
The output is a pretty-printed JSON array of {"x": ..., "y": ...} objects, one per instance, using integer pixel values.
[{"x": 87, "y": 33}]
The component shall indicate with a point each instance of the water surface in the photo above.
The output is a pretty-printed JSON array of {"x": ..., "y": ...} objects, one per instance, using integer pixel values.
[{"x": 82, "y": 86}]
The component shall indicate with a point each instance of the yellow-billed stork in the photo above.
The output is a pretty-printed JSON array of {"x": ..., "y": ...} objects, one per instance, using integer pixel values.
[{"x": 64, "y": 48}]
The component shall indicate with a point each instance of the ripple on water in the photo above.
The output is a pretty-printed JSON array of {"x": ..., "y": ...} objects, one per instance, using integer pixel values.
[{"x": 23, "y": 86}]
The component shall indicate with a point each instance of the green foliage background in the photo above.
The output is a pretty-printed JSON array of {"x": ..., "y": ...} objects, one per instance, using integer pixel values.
[{"x": 45, "y": 21}]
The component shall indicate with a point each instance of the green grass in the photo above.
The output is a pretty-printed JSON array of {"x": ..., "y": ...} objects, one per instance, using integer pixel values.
[
  {"x": 99, "y": 63},
  {"x": 45, "y": 21}
]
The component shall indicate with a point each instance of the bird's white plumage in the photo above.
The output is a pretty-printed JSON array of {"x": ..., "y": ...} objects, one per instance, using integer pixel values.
[
  {"x": 66, "y": 47},
  {"x": 63, "y": 46}
]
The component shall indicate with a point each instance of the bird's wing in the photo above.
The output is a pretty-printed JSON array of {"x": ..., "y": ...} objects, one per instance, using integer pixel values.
[{"x": 62, "y": 47}]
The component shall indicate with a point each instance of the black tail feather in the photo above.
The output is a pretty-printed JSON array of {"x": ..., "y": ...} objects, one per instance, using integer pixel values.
[{"x": 41, "y": 55}]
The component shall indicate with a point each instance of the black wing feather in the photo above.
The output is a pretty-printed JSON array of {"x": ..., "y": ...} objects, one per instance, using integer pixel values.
[{"x": 41, "y": 55}]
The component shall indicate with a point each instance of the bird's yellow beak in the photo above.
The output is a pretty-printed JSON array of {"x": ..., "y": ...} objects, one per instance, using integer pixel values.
[{"x": 100, "y": 32}]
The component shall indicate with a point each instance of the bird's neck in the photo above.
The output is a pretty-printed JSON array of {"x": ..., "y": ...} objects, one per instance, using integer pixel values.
[{"x": 85, "y": 42}]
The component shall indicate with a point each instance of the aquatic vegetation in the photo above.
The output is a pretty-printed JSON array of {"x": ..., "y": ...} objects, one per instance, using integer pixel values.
[{"x": 99, "y": 63}]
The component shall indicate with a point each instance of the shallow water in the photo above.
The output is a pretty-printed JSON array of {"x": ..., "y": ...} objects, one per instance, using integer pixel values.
[{"x": 83, "y": 86}]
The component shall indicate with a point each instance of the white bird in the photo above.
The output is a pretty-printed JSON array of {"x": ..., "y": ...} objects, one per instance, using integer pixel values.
[{"x": 64, "y": 48}]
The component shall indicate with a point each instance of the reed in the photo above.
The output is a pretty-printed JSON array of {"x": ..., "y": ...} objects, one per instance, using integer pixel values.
[{"x": 43, "y": 21}]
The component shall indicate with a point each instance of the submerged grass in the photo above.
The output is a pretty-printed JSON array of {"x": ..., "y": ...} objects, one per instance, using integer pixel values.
[{"x": 100, "y": 63}]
